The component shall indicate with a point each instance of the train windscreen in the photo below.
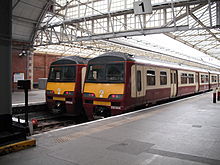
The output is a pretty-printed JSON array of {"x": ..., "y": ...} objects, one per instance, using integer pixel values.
[
  {"x": 106, "y": 73},
  {"x": 62, "y": 74}
]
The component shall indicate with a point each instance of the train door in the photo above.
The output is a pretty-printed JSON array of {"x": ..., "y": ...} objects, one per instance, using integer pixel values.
[
  {"x": 173, "y": 82},
  {"x": 209, "y": 78},
  {"x": 133, "y": 82},
  {"x": 218, "y": 80},
  {"x": 83, "y": 78},
  {"x": 140, "y": 80},
  {"x": 197, "y": 81}
]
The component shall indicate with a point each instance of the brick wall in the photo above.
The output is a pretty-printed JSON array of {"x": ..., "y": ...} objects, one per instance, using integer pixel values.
[
  {"x": 19, "y": 65},
  {"x": 42, "y": 64}
]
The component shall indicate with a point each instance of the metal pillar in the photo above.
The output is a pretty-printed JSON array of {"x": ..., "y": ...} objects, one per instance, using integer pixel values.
[
  {"x": 5, "y": 63},
  {"x": 30, "y": 68},
  {"x": 218, "y": 13}
]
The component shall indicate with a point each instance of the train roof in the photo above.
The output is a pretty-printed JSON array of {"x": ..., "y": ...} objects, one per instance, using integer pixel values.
[
  {"x": 71, "y": 60},
  {"x": 119, "y": 56},
  {"x": 213, "y": 72},
  {"x": 172, "y": 65},
  {"x": 112, "y": 56}
]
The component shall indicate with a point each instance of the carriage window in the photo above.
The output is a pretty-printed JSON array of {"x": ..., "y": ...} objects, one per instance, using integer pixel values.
[
  {"x": 115, "y": 72},
  {"x": 214, "y": 78},
  {"x": 207, "y": 78},
  {"x": 191, "y": 78},
  {"x": 163, "y": 78},
  {"x": 62, "y": 73},
  {"x": 184, "y": 78},
  {"x": 204, "y": 78},
  {"x": 138, "y": 80},
  {"x": 150, "y": 77}
]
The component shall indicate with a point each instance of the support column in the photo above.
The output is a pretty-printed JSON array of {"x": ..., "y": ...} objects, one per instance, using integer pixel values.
[
  {"x": 5, "y": 63},
  {"x": 218, "y": 13},
  {"x": 30, "y": 68}
]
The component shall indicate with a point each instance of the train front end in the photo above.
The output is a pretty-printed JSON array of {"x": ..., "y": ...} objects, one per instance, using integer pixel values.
[
  {"x": 104, "y": 87},
  {"x": 63, "y": 91}
]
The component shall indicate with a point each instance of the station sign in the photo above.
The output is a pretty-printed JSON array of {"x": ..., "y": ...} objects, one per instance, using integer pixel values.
[
  {"x": 24, "y": 84},
  {"x": 142, "y": 7}
]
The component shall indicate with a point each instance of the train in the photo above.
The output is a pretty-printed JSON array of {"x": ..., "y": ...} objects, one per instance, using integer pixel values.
[
  {"x": 64, "y": 86},
  {"x": 118, "y": 82}
]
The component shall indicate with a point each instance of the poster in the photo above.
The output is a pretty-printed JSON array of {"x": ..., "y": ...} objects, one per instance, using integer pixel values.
[{"x": 18, "y": 76}]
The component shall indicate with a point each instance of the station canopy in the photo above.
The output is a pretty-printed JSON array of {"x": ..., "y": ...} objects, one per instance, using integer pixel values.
[{"x": 91, "y": 27}]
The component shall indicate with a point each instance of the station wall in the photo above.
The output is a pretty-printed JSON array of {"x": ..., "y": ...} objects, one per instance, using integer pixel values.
[
  {"x": 41, "y": 64},
  {"x": 19, "y": 66},
  {"x": 22, "y": 67}
]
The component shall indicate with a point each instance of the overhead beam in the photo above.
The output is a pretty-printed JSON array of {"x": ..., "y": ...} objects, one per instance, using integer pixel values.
[
  {"x": 195, "y": 35},
  {"x": 76, "y": 5},
  {"x": 40, "y": 18},
  {"x": 218, "y": 13},
  {"x": 16, "y": 3},
  {"x": 132, "y": 33},
  {"x": 89, "y": 34},
  {"x": 208, "y": 30},
  {"x": 157, "y": 6},
  {"x": 113, "y": 35},
  {"x": 186, "y": 14},
  {"x": 185, "y": 42},
  {"x": 89, "y": 28}
]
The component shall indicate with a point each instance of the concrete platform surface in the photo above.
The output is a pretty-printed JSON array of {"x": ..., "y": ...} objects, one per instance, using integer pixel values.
[
  {"x": 35, "y": 96},
  {"x": 185, "y": 132}
]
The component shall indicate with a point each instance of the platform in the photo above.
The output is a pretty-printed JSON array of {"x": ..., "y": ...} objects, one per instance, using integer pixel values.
[
  {"x": 35, "y": 97},
  {"x": 182, "y": 132}
]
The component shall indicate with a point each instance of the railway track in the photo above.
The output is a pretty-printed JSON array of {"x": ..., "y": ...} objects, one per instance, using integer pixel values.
[
  {"x": 47, "y": 124},
  {"x": 42, "y": 119}
]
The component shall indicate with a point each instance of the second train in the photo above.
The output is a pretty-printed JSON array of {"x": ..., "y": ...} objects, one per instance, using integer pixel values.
[{"x": 115, "y": 82}]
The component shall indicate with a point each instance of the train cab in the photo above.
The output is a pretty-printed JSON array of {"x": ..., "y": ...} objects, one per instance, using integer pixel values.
[
  {"x": 105, "y": 85},
  {"x": 64, "y": 85}
]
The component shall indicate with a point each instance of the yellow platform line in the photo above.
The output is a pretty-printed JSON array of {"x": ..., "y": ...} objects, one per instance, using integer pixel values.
[{"x": 17, "y": 146}]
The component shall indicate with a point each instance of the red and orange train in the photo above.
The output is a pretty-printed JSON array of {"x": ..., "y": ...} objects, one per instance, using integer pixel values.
[
  {"x": 64, "y": 85},
  {"x": 118, "y": 82}
]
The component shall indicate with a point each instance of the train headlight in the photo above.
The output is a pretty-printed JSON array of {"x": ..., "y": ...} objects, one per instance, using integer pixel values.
[
  {"x": 91, "y": 95},
  {"x": 49, "y": 92},
  {"x": 115, "y": 96},
  {"x": 69, "y": 93}
]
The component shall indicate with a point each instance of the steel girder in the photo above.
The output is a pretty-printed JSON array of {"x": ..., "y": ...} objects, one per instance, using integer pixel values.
[{"x": 166, "y": 17}]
